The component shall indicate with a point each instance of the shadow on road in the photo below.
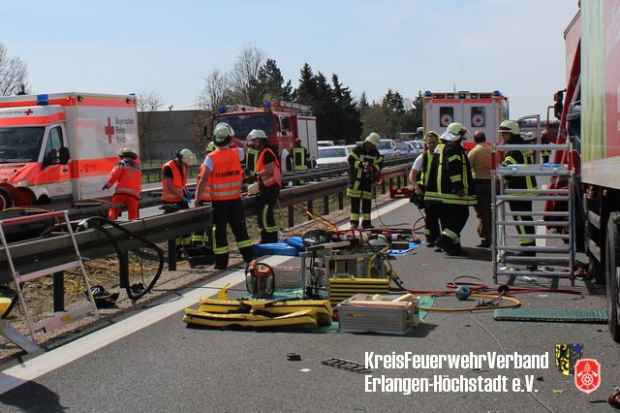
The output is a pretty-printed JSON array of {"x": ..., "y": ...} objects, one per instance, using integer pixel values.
[{"x": 33, "y": 397}]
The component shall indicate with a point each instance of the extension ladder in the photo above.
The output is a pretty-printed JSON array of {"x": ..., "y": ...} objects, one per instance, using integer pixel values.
[
  {"x": 60, "y": 318},
  {"x": 557, "y": 261}
]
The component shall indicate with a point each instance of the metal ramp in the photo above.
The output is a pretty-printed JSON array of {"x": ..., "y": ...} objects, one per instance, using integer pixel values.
[
  {"x": 508, "y": 259},
  {"x": 59, "y": 319}
]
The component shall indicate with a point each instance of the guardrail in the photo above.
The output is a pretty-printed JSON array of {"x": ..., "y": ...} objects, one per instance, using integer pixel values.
[{"x": 34, "y": 255}]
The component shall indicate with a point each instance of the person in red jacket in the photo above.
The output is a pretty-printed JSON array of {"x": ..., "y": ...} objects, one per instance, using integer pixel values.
[{"x": 127, "y": 177}]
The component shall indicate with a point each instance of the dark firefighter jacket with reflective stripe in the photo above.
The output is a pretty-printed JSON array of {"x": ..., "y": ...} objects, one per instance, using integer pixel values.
[
  {"x": 519, "y": 158},
  {"x": 450, "y": 173},
  {"x": 364, "y": 166}
]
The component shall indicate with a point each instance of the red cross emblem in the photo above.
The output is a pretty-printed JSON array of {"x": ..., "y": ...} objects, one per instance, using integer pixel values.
[
  {"x": 109, "y": 130},
  {"x": 28, "y": 112}
]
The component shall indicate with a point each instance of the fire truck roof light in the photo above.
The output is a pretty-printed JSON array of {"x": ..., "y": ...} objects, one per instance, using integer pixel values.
[
  {"x": 42, "y": 100},
  {"x": 267, "y": 104},
  {"x": 222, "y": 109}
]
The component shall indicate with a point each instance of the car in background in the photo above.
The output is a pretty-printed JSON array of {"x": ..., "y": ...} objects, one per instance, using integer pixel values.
[
  {"x": 325, "y": 143},
  {"x": 418, "y": 146},
  {"x": 387, "y": 148},
  {"x": 333, "y": 155},
  {"x": 404, "y": 148}
]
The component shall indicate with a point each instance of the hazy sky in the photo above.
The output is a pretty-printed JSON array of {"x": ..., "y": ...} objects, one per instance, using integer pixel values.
[{"x": 169, "y": 47}]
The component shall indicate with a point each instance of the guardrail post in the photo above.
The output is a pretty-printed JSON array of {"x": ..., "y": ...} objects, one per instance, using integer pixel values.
[
  {"x": 59, "y": 291},
  {"x": 326, "y": 205},
  {"x": 291, "y": 216},
  {"x": 123, "y": 269},
  {"x": 172, "y": 254},
  {"x": 310, "y": 206},
  {"x": 383, "y": 187},
  {"x": 340, "y": 200}
]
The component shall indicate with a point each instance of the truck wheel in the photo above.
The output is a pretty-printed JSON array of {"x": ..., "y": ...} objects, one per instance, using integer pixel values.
[
  {"x": 613, "y": 279},
  {"x": 5, "y": 200}
]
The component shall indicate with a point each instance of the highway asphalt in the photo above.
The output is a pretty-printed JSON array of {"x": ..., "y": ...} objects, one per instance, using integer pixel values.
[{"x": 167, "y": 367}]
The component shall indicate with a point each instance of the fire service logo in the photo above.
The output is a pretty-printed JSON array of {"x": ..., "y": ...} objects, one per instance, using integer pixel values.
[
  {"x": 566, "y": 355},
  {"x": 587, "y": 375}
]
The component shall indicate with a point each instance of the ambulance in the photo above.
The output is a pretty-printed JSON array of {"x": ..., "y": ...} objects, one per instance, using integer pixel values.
[
  {"x": 61, "y": 147},
  {"x": 476, "y": 111}
]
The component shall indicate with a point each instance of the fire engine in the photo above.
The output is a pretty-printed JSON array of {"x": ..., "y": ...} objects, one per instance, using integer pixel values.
[
  {"x": 476, "y": 111},
  {"x": 283, "y": 122},
  {"x": 62, "y": 146}
]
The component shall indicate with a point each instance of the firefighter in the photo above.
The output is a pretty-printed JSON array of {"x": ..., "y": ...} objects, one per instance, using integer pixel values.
[
  {"x": 510, "y": 134},
  {"x": 301, "y": 158},
  {"x": 128, "y": 179},
  {"x": 250, "y": 158},
  {"x": 450, "y": 186},
  {"x": 419, "y": 176},
  {"x": 269, "y": 177},
  {"x": 545, "y": 139},
  {"x": 480, "y": 160},
  {"x": 365, "y": 163},
  {"x": 220, "y": 184}
]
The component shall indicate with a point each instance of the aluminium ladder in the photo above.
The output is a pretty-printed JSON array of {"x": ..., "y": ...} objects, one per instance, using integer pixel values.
[
  {"x": 508, "y": 259},
  {"x": 59, "y": 318}
]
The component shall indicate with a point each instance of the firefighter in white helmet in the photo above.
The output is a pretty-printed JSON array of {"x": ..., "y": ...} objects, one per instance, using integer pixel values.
[
  {"x": 365, "y": 163},
  {"x": 450, "y": 187}
]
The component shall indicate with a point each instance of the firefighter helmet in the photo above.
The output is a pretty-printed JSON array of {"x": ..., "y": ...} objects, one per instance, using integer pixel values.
[
  {"x": 510, "y": 126},
  {"x": 186, "y": 156},
  {"x": 373, "y": 138},
  {"x": 127, "y": 153},
  {"x": 420, "y": 129},
  {"x": 456, "y": 128},
  {"x": 222, "y": 134},
  {"x": 256, "y": 134}
]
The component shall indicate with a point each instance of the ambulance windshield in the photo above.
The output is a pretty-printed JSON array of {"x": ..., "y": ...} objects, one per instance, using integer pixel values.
[
  {"x": 20, "y": 144},
  {"x": 243, "y": 124}
]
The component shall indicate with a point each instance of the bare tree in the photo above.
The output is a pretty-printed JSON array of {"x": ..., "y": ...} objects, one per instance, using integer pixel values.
[
  {"x": 13, "y": 74},
  {"x": 216, "y": 91},
  {"x": 148, "y": 101},
  {"x": 244, "y": 76}
]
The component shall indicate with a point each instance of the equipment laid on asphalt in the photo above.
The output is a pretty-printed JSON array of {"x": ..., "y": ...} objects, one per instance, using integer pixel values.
[
  {"x": 260, "y": 279},
  {"x": 385, "y": 314},
  {"x": 351, "y": 366},
  {"x": 342, "y": 288},
  {"x": 223, "y": 312},
  {"x": 561, "y": 315}
]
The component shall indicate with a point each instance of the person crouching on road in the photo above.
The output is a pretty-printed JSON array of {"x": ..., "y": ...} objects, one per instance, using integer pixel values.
[
  {"x": 174, "y": 175},
  {"x": 365, "y": 163},
  {"x": 480, "y": 160},
  {"x": 128, "y": 179},
  {"x": 220, "y": 183},
  {"x": 449, "y": 184},
  {"x": 419, "y": 177},
  {"x": 269, "y": 177}
]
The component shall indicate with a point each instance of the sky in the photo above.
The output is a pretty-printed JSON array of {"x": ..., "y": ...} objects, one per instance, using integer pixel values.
[{"x": 170, "y": 47}]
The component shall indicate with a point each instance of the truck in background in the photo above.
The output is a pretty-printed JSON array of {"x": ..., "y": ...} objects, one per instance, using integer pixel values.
[
  {"x": 283, "y": 122},
  {"x": 476, "y": 111},
  {"x": 61, "y": 147}
]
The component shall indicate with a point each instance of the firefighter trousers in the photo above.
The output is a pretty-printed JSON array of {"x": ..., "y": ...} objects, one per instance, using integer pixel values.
[
  {"x": 266, "y": 203},
  {"x": 483, "y": 208},
  {"x": 453, "y": 220},
  {"x": 225, "y": 213},
  {"x": 365, "y": 205},
  {"x": 184, "y": 240},
  {"x": 432, "y": 214},
  {"x": 524, "y": 206},
  {"x": 130, "y": 202}
]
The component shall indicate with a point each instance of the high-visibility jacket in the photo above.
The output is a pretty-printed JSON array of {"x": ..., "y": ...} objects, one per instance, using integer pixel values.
[
  {"x": 225, "y": 179},
  {"x": 422, "y": 176},
  {"x": 127, "y": 177},
  {"x": 299, "y": 159},
  {"x": 519, "y": 158},
  {"x": 450, "y": 179},
  {"x": 179, "y": 182},
  {"x": 251, "y": 158},
  {"x": 203, "y": 195},
  {"x": 364, "y": 167},
  {"x": 269, "y": 174}
]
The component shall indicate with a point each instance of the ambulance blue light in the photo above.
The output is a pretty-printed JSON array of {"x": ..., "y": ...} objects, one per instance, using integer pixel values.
[
  {"x": 497, "y": 93},
  {"x": 42, "y": 100},
  {"x": 267, "y": 104},
  {"x": 428, "y": 93}
]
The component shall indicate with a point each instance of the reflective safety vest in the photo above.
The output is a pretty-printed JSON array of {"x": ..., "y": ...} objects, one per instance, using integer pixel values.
[
  {"x": 363, "y": 168},
  {"x": 225, "y": 179},
  {"x": 128, "y": 178},
  {"x": 268, "y": 174},
  {"x": 179, "y": 182},
  {"x": 203, "y": 195},
  {"x": 422, "y": 176},
  {"x": 520, "y": 182},
  {"x": 251, "y": 158},
  {"x": 448, "y": 175},
  {"x": 299, "y": 158}
]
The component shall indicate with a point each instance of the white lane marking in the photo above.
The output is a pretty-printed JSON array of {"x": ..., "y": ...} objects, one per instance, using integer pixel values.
[{"x": 16, "y": 376}]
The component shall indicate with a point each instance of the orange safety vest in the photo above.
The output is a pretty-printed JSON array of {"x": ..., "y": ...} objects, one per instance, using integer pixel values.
[
  {"x": 268, "y": 174},
  {"x": 225, "y": 179},
  {"x": 179, "y": 181},
  {"x": 203, "y": 195},
  {"x": 128, "y": 178}
]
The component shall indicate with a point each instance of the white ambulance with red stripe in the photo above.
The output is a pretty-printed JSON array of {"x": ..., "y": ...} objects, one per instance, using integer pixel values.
[
  {"x": 62, "y": 146},
  {"x": 476, "y": 111}
]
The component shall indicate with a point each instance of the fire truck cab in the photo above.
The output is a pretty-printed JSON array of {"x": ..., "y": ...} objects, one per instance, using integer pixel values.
[
  {"x": 61, "y": 146},
  {"x": 476, "y": 111}
]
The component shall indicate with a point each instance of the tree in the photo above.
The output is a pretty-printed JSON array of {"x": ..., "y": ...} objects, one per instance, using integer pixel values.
[
  {"x": 306, "y": 91},
  {"x": 148, "y": 101},
  {"x": 216, "y": 91},
  {"x": 13, "y": 74},
  {"x": 363, "y": 104},
  {"x": 271, "y": 83},
  {"x": 244, "y": 76}
]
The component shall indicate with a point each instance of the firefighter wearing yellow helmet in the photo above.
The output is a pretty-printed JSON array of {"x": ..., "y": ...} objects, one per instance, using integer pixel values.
[
  {"x": 510, "y": 133},
  {"x": 365, "y": 163},
  {"x": 449, "y": 188}
]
